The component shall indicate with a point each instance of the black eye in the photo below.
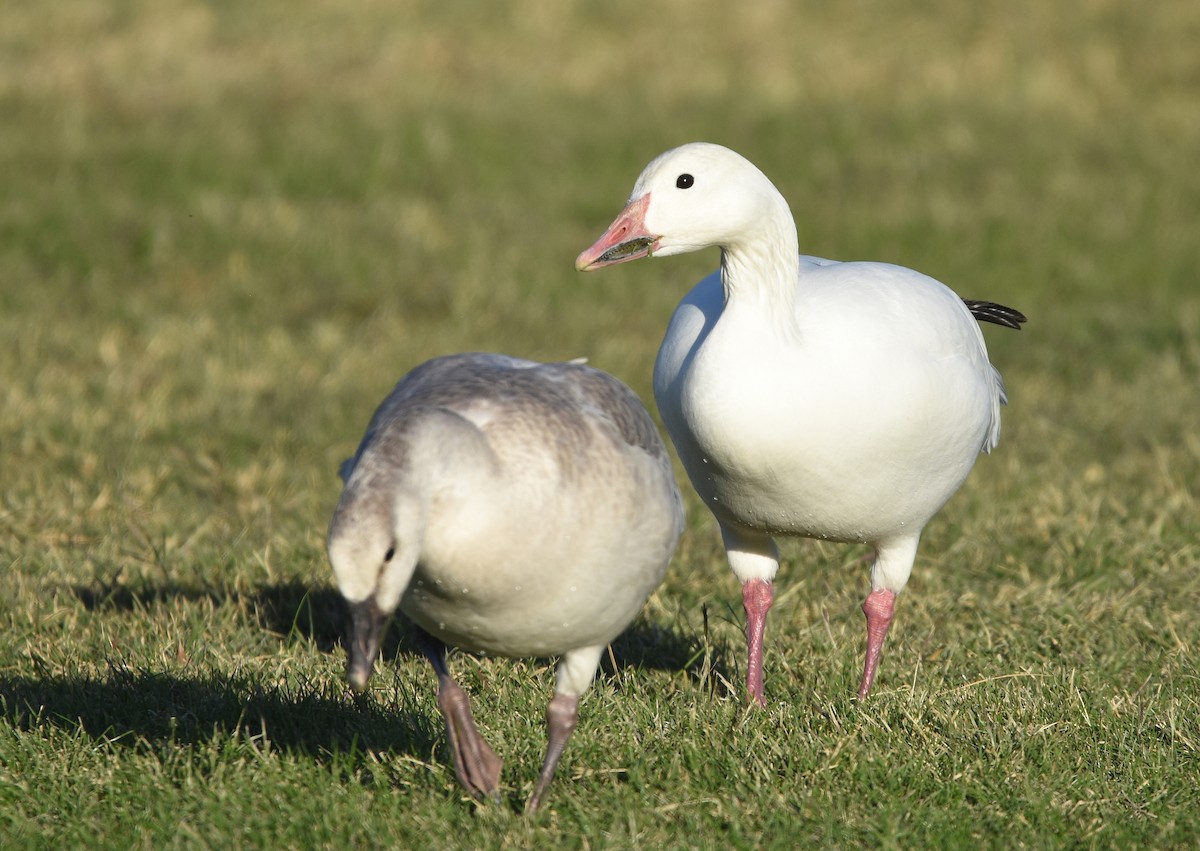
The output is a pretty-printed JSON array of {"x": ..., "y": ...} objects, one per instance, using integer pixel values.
[
  {"x": 684, "y": 181},
  {"x": 388, "y": 555}
]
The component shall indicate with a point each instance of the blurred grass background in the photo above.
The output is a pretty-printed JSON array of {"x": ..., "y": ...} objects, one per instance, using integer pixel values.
[{"x": 226, "y": 229}]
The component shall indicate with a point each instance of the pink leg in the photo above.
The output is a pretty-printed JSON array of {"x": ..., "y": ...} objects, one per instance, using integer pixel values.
[
  {"x": 879, "y": 608},
  {"x": 561, "y": 717},
  {"x": 757, "y": 596}
]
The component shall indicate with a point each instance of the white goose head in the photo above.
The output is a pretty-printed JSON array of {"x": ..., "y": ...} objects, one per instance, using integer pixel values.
[{"x": 692, "y": 197}]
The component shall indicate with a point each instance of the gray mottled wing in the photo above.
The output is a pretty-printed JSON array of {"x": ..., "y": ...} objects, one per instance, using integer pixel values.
[
  {"x": 606, "y": 398},
  {"x": 440, "y": 382},
  {"x": 564, "y": 398}
]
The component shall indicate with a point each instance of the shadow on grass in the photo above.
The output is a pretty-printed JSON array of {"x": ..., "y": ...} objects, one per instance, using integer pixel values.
[
  {"x": 296, "y": 611},
  {"x": 318, "y": 718},
  {"x": 141, "y": 708}
]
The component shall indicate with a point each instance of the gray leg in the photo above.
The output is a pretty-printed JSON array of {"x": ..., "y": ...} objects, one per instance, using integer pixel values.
[
  {"x": 475, "y": 763},
  {"x": 561, "y": 717}
]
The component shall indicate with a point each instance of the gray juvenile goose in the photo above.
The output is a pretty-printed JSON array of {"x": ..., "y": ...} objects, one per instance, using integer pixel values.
[{"x": 506, "y": 507}]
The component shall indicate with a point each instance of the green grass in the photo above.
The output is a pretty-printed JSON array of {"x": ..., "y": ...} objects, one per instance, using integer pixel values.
[{"x": 226, "y": 230}]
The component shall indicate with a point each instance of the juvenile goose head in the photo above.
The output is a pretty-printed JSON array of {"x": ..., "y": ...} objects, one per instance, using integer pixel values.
[{"x": 374, "y": 540}]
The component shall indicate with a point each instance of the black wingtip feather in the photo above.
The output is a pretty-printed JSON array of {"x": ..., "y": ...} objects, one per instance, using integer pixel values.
[{"x": 989, "y": 311}]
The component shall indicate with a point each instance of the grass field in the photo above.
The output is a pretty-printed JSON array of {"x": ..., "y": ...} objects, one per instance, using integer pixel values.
[{"x": 226, "y": 229}]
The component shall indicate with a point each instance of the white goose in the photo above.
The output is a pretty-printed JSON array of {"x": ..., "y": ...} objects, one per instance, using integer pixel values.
[
  {"x": 507, "y": 507},
  {"x": 807, "y": 397}
]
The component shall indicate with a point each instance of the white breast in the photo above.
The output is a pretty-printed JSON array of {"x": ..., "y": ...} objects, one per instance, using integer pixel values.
[{"x": 864, "y": 416}]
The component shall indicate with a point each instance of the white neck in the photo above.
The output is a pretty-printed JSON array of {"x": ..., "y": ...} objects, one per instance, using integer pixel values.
[{"x": 759, "y": 268}]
